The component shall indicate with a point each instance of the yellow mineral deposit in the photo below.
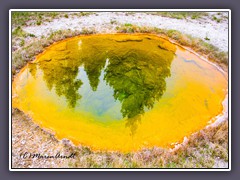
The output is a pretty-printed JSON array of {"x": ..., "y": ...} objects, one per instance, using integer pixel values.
[{"x": 120, "y": 92}]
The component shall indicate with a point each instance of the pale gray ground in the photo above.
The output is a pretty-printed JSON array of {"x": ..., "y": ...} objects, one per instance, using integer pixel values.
[{"x": 216, "y": 32}]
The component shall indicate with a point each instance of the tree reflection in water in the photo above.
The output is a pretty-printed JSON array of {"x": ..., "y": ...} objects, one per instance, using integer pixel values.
[
  {"x": 60, "y": 69},
  {"x": 138, "y": 81},
  {"x": 136, "y": 70}
]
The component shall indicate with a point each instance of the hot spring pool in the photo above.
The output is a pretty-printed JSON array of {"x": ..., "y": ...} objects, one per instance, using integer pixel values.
[{"x": 120, "y": 92}]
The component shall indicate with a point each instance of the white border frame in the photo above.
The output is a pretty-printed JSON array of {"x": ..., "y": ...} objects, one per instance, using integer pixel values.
[{"x": 118, "y": 10}]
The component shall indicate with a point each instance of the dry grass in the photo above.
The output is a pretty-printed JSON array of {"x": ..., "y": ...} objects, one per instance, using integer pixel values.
[{"x": 19, "y": 37}]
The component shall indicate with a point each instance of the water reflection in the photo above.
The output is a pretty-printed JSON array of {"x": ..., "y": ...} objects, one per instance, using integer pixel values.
[
  {"x": 135, "y": 70},
  {"x": 138, "y": 80},
  {"x": 60, "y": 69}
]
